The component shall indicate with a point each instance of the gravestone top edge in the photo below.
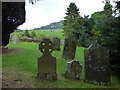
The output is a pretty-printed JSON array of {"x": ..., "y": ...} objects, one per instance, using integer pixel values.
[
  {"x": 92, "y": 46},
  {"x": 74, "y": 61}
]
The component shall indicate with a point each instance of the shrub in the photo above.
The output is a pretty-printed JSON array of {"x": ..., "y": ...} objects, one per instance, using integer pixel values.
[
  {"x": 44, "y": 36},
  {"x": 27, "y": 33},
  {"x": 33, "y": 34}
]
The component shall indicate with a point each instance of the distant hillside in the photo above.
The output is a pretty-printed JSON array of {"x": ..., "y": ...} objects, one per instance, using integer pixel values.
[{"x": 55, "y": 25}]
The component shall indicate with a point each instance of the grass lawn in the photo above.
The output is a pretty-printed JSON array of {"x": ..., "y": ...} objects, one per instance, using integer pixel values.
[{"x": 22, "y": 66}]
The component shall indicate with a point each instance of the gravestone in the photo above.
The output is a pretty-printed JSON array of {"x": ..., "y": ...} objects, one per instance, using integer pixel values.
[
  {"x": 15, "y": 39},
  {"x": 46, "y": 63},
  {"x": 56, "y": 42},
  {"x": 97, "y": 69},
  {"x": 73, "y": 70},
  {"x": 69, "y": 48}
]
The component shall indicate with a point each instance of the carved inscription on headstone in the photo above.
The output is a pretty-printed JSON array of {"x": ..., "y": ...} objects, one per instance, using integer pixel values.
[
  {"x": 69, "y": 48},
  {"x": 56, "y": 42},
  {"x": 73, "y": 70},
  {"x": 97, "y": 68},
  {"x": 46, "y": 63},
  {"x": 15, "y": 39}
]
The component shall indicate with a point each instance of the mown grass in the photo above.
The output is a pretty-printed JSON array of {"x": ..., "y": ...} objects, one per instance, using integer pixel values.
[{"x": 25, "y": 62}]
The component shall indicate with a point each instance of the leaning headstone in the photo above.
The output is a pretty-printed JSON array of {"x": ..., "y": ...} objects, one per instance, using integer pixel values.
[
  {"x": 46, "y": 63},
  {"x": 97, "y": 68},
  {"x": 69, "y": 48},
  {"x": 73, "y": 70},
  {"x": 56, "y": 42},
  {"x": 15, "y": 39}
]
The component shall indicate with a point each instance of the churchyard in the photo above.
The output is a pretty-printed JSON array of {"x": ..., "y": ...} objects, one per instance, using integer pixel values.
[{"x": 31, "y": 65}]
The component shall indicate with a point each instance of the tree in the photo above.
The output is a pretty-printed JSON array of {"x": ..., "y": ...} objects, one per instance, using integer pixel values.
[
  {"x": 71, "y": 20},
  {"x": 33, "y": 34},
  {"x": 110, "y": 37},
  {"x": 77, "y": 27},
  {"x": 27, "y": 33},
  {"x": 13, "y": 15},
  {"x": 97, "y": 17},
  {"x": 108, "y": 9}
]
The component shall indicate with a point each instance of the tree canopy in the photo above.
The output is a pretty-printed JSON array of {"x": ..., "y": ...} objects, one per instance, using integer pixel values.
[
  {"x": 70, "y": 23},
  {"x": 13, "y": 15}
]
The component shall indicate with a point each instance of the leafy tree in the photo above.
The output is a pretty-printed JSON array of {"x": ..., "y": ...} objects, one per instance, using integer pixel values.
[
  {"x": 97, "y": 17},
  {"x": 77, "y": 27},
  {"x": 108, "y": 9},
  {"x": 110, "y": 37},
  {"x": 13, "y": 15},
  {"x": 85, "y": 34},
  {"x": 33, "y": 34},
  {"x": 27, "y": 33},
  {"x": 71, "y": 20}
]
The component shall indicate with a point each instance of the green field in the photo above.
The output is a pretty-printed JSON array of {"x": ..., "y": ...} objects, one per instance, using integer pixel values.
[
  {"x": 39, "y": 33},
  {"x": 22, "y": 66},
  {"x": 56, "y": 33}
]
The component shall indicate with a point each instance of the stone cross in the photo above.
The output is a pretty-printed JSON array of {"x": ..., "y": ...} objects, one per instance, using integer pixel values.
[
  {"x": 46, "y": 63},
  {"x": 97, "y": 68}
]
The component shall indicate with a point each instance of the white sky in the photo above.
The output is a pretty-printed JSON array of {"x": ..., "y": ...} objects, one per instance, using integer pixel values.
[{"x": 45, "y": 12}]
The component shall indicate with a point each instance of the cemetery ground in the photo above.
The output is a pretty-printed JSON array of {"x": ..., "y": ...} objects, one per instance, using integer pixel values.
[{"x": 19, "y": 69}]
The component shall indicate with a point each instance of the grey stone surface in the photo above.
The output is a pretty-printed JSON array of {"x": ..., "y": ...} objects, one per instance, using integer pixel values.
[
  {"x": 97, "y": 68},
  {"x": 15, "y": 39},
  {"x": 56, "y": 42},
  {"x": 46, "y": 63},
  {"x": 73, "y": 70},
  {"x": 69, "y": 48}
]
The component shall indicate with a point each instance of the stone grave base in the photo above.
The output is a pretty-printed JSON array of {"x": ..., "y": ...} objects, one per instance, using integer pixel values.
[
  {"x": 98, "y": 83},
  {"x": 47, "y": 76}
]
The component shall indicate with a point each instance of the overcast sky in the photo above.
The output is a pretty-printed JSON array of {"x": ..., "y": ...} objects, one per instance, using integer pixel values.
[{"x": 45, "y": 12}]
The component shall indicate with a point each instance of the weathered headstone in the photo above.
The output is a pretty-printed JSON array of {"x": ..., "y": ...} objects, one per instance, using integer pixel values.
[
  {"x": 73, "y": 70},
  {"x": 15, "y": 39},
  {"x": 69, "y": 48},
  {"x": 97, "y": 68},
  {"x": 46, "y": 63},
  {"x": 56, "y": 42}
]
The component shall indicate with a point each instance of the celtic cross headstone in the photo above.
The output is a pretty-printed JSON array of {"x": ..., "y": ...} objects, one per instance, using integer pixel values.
[{"x": 46, "y": 63}]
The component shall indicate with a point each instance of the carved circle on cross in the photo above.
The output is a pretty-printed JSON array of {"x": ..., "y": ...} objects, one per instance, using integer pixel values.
[{"x": 46, "y": 46}]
